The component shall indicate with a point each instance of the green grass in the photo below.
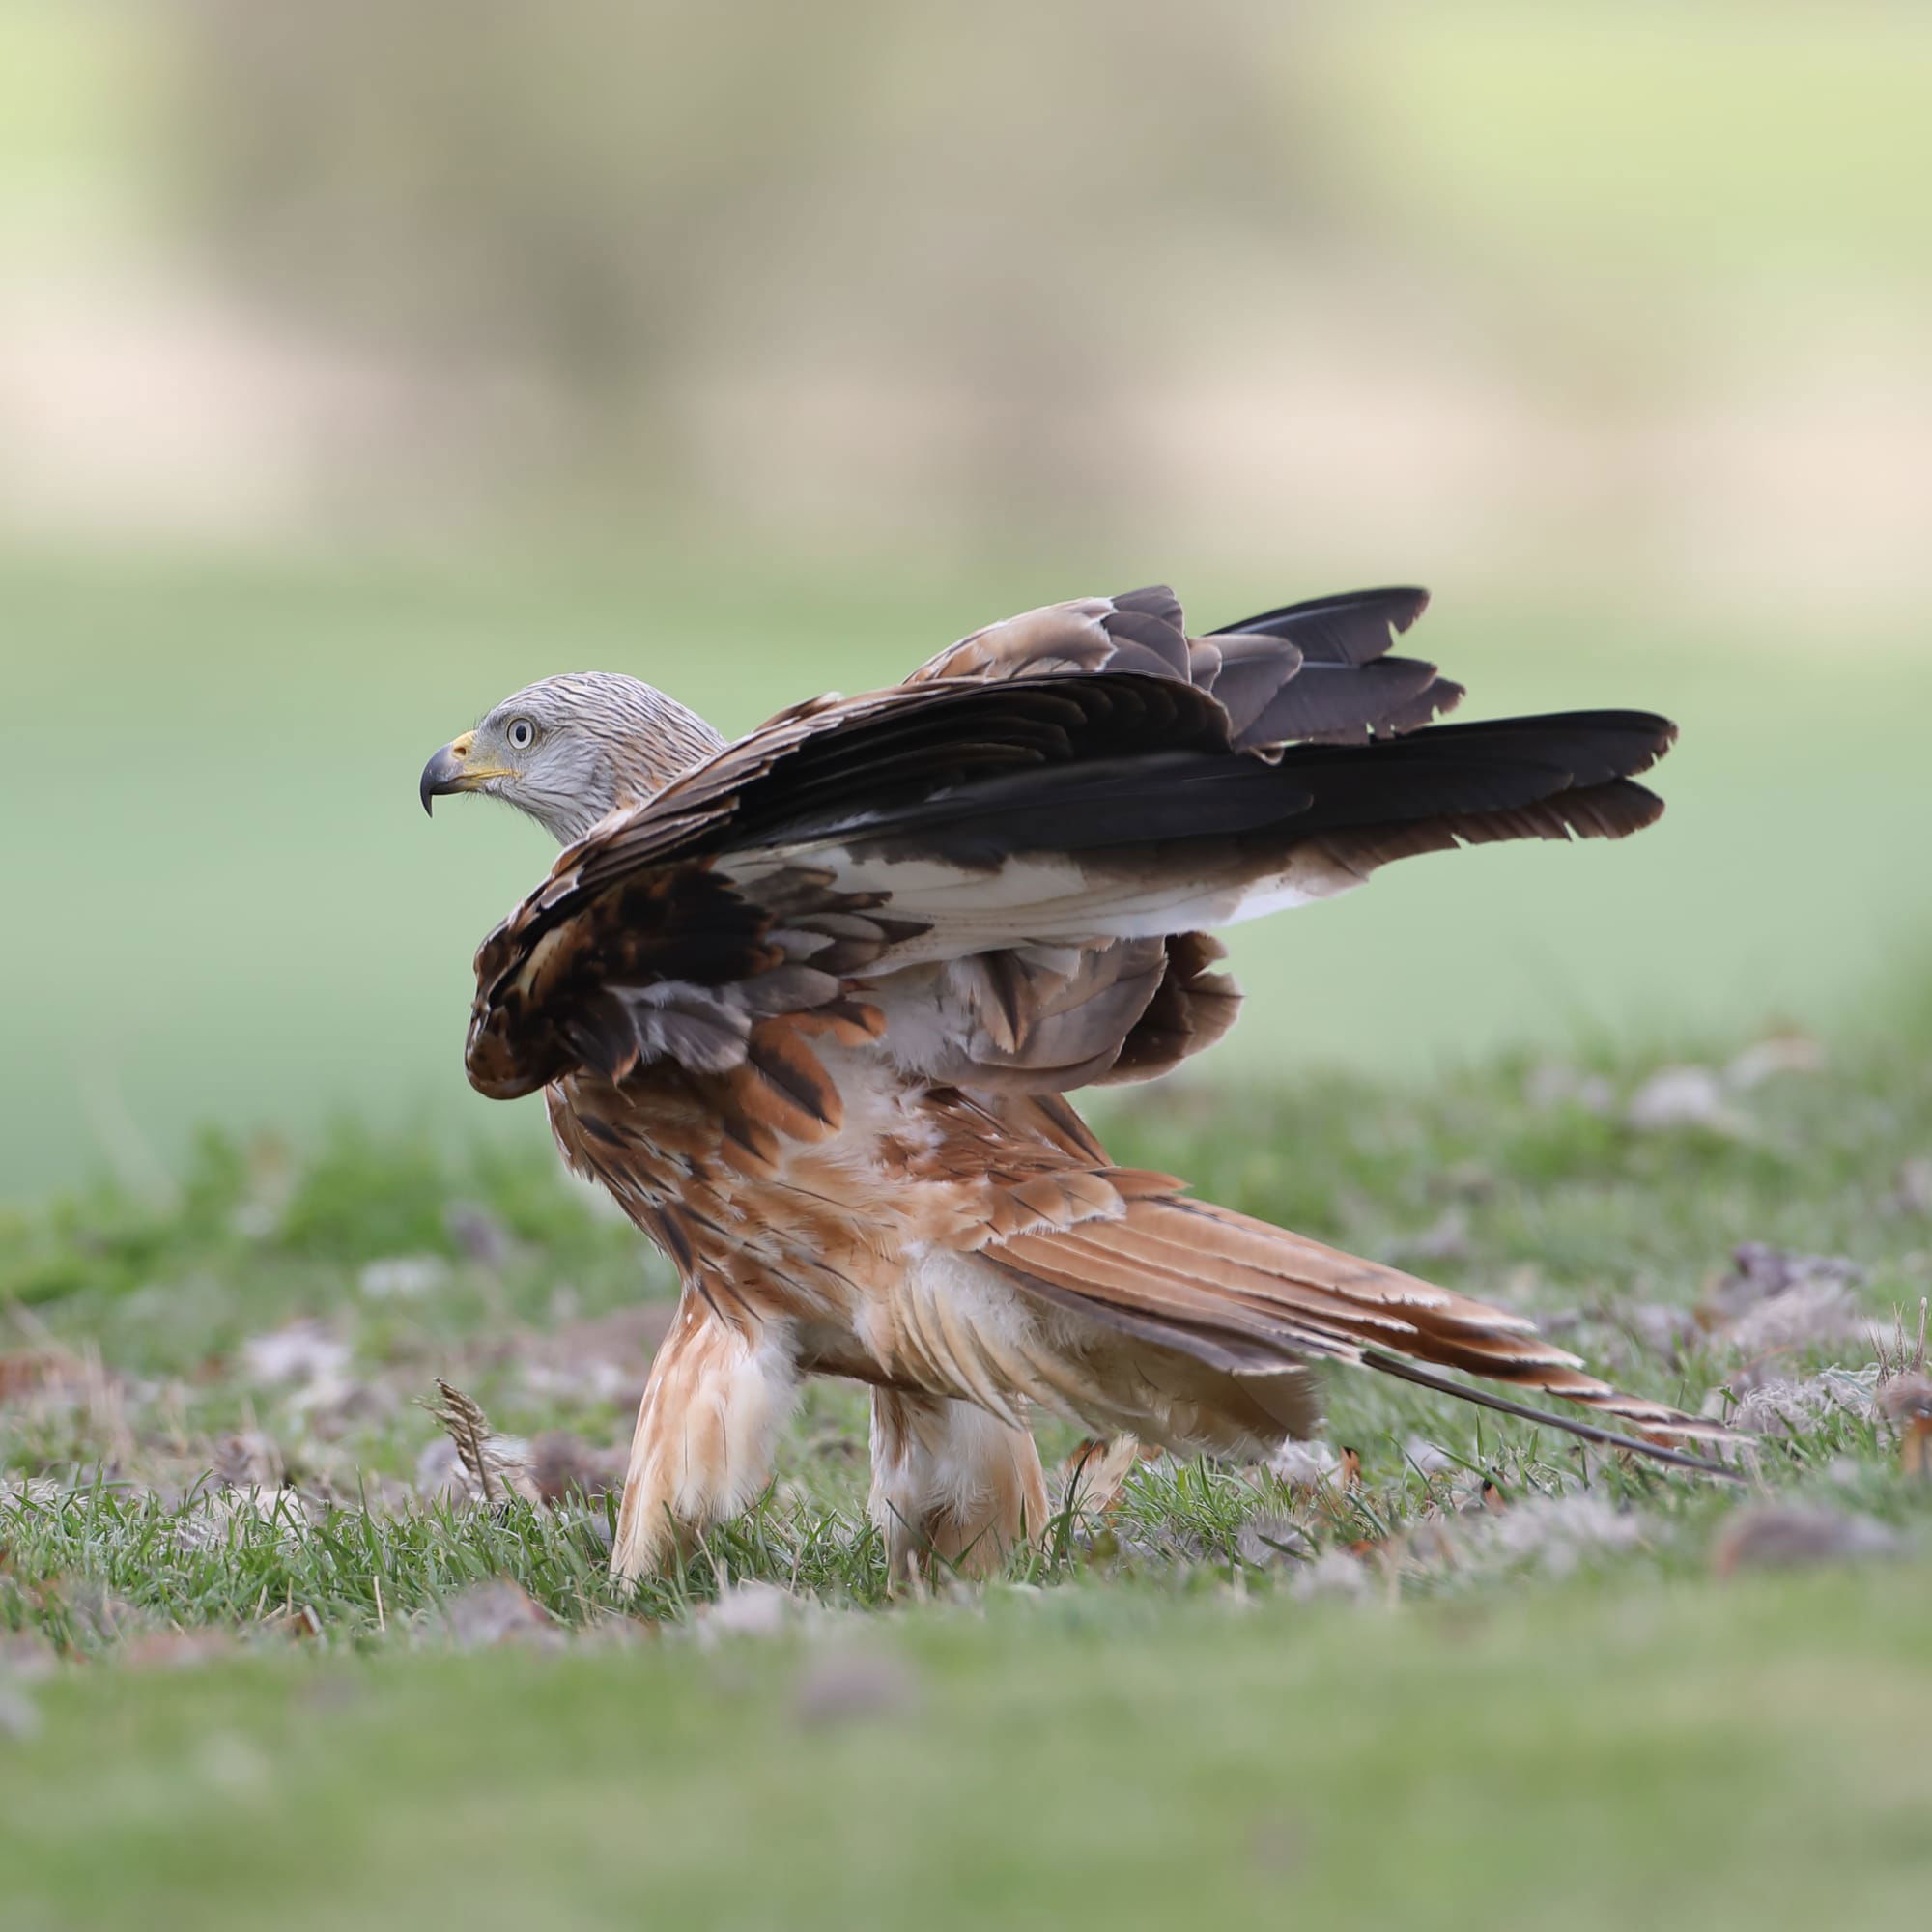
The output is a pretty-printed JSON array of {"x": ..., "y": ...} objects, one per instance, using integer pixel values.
[
  {"x": 1746, "y": 1757},
  {"x": 1232, "y": 1698}
]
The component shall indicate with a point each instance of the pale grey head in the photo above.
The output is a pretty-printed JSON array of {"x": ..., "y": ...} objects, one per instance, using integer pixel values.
[{"x": 572, "y": 748}]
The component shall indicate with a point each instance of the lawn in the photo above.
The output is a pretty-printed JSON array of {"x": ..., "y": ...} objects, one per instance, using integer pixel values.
[{"x": 268, "y": 1655}]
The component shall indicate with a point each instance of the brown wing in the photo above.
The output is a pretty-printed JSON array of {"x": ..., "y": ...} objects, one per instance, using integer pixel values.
[{"x": 1007, "y": 871}]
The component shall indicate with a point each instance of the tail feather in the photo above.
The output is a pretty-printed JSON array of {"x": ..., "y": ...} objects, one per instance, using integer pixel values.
[{"x": 1254, "y": 1300}]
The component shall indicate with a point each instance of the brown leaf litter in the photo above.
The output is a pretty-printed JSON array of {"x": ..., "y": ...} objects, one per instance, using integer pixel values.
[
  {"x": 27, "y": 1371},
  {"x": 1310, "y": 1466},
  {"x": 1912, "y": 1190},
  {"x": 1686, "y": 1097},
  {"x": 309, "y": 1365},
  {"x": 604, "y": 1359},
  {"x": 402, "y": 1277},
  {"x": 496, "y": 1612},
  {"x": 851, "y": 1685},
  {"x": 1776, "y": 1536},
  {"x": 478, "y": 1235},
  {"x": 19, "y": 1715},
  {"x": 1779, "y": 1406},
  {"x": 748, "y": 1609},
  {"x": 1903, "y": 1396},
  {"x": 1776, "y": 1299},
  {"x": 1447, "y": 1239},
  {"x": 1269, "y": 1541}
]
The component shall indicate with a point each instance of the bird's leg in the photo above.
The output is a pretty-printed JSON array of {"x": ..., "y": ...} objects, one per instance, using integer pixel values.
[
  {"x": 707, "y": 1428},
  {"x": 953, "y": 1482}
]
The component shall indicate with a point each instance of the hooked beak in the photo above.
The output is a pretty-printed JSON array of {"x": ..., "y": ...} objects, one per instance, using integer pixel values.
[{"x": 451, "y": 770}]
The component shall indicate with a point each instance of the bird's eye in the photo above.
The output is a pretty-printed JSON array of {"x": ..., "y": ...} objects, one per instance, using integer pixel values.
[{"x": 521, "y": 734}]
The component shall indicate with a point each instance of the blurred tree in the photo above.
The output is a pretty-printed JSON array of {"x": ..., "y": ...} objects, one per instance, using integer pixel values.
[{"x": 978, "y": 229}]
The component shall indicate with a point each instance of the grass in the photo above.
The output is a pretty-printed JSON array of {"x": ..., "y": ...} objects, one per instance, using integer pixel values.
[
  {"x": 1044, "y": 1762},
  {"x": 1230, "y": 1696}
]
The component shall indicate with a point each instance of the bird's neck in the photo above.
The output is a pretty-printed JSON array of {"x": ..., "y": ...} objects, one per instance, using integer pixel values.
[{"x": 641, "y": 764}]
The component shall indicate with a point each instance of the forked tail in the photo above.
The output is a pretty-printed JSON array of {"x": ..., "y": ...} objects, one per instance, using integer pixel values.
[{"x": 1248, "y": 1299}]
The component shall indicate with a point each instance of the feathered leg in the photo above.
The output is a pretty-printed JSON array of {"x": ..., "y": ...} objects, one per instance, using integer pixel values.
[
  {"x": 951, "y": 1482},
  {"x": 707, "y": 1429}
]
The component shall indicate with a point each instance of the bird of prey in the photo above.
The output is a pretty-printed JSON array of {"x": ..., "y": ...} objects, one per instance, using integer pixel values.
[{"x": 807, "y": 1006}]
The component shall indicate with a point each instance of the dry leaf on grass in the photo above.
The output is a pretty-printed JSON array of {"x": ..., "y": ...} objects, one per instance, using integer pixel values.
[
  {"x": 607, "y": 1359},
  {"x": 1773, "y": 1405},
  {"x": 845, "y": 1686},
  {"x": 1429, "y": 1459},
  {"x": 298, "y": 1622},
  {"x": 247, "y": 1460},
  {"x": 1761, "y": 1272},
  {"x": 1776, "y": 1299},
  {"x": 478, "y": 1235},
  {"x": 565, "y": 1468},
  {"x": 497, "y": 1612},
  {"x": 1778, "y": 1537},
  {"x": 403, "y": 1277},
  {"x": 206, "y": 1518},
  {"x": 26, "y": 1656},
  {"x": 301, "y": 1351},
  {"x": 175, "y": 1649},
  {"x": 1659, "y": 1327},
  {"x": 1552, "y": 1085},
  {"x": 1702, "y": 1096},
  {"x": 1307, "y": 1465},
  {"x": 1905, "y": 1401},
  {"x": 1554, "y": 1534},
  {"x": 1781, "y": 1053},
  {"x": 1686, "y": 1096},
  {"x": 19, "y": 1715},
  {"x": 1445, "y": 1240},
  {"x": 747, "y": 1609},
  {"x": 1333, "y": 1575},
  {"x": 1266, "y": 1540},
  {"x": 29, "y": 1371},
  {"x": 1912, "y": 1191}
]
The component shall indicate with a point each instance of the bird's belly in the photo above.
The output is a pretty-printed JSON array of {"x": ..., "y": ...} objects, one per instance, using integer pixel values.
[{"x": 848, "y": 1240}]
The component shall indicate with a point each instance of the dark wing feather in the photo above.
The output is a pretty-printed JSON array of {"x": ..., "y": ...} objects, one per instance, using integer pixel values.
[
  {"x": 993, "y": 851},
  {"x": 1352, "y": 628}
]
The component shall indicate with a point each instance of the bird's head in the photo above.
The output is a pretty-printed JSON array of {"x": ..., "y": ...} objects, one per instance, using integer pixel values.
[{"x": 572, "y": 748}]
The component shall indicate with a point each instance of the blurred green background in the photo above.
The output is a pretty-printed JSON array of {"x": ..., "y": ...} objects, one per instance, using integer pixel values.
[{"x": 358, "y": 364}]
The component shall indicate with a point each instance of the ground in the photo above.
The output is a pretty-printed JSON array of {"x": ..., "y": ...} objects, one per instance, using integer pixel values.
[{"x": 266, "y": 1648}]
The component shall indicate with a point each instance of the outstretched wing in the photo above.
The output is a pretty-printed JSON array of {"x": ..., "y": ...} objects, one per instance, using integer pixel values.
[{"x": 1000, "y": 867}]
